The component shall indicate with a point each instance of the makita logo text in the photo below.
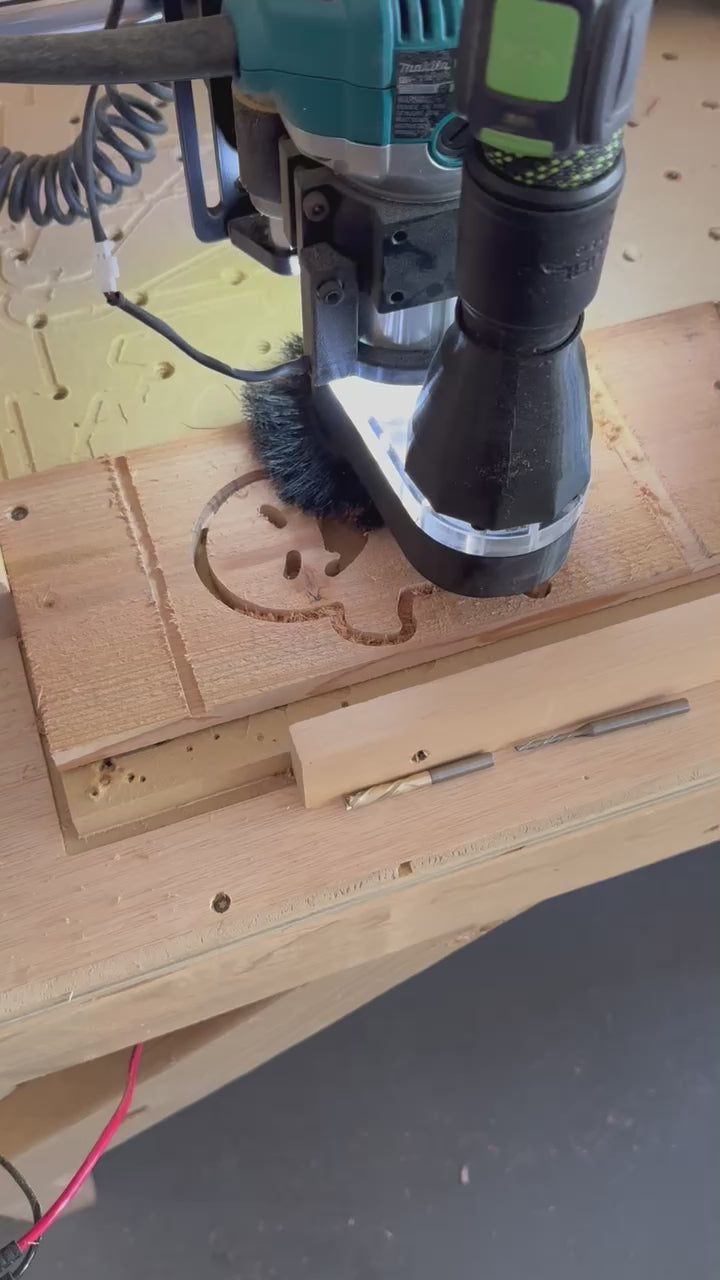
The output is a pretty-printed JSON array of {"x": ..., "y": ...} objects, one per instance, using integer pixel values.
[{"x": 408, "y": 68}]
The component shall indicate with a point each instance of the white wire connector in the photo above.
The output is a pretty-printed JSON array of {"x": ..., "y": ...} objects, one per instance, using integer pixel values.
[{"x": 105, "y": 267}]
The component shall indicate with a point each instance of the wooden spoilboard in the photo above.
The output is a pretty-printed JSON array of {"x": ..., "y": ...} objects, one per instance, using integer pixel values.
[{"x": 169, "y": 590}]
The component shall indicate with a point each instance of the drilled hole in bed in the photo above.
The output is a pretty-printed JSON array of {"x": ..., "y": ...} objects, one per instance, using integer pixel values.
[{"x": 419, "y": 756}]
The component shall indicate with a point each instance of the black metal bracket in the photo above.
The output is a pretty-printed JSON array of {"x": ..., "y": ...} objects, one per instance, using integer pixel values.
[
  {"x": 405, "y": 253},
  {"x": 330, "y": 300},
  {"x": 352, "y": 243},
  {"x": 251, "y": 234},
  {"x": 209, "y": 221}
]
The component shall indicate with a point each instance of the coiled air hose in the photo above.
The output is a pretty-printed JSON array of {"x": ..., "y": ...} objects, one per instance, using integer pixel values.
[{"x": 52, "y": 188}]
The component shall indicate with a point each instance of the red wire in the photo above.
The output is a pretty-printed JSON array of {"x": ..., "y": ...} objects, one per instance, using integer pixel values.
[{"x": 40, "y": 1227}]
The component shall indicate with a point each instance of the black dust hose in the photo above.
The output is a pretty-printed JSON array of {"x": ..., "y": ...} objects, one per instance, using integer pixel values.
[{"x": 196, "y": 48}]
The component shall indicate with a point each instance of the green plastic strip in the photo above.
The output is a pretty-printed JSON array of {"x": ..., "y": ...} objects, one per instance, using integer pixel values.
[{"x": 515, "y": 144}]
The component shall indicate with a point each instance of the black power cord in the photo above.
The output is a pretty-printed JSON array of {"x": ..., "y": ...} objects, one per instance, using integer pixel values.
[
  {"x": 7, "y": 1255},
  {"x": 298, "y": 365},
  {"x": 107, "y": 266}
]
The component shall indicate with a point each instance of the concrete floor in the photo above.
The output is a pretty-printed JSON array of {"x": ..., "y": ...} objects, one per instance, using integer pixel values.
[{"x": 541, "y": 1106}]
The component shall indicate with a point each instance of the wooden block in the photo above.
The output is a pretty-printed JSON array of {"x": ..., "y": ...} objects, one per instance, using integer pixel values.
[
  {"x": 648, "y": 660},
  {"x": 158, "y": 593}
]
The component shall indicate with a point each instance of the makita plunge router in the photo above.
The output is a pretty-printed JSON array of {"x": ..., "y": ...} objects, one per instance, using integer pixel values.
[{"x": 445, "y": 181}]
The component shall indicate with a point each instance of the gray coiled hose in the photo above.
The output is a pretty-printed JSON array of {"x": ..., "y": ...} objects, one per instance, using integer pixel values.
[{"x": 51, "y": 188}]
